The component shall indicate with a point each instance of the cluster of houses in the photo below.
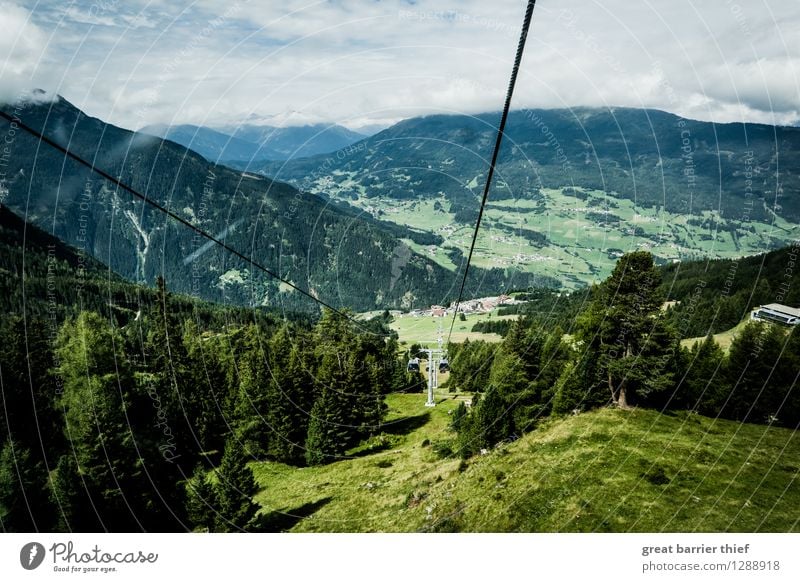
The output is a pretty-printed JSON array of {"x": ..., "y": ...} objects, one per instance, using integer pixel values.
[{"x": 482, "y": 305}]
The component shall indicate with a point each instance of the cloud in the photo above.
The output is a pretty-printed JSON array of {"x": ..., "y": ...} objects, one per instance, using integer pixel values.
[
  {"x": 215, "y": 62},
  {"x": 22, "y": 47}
]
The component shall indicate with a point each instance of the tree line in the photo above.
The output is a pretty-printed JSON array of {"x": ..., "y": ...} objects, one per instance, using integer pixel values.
[
  {"x": 151, "y": 426},
  {"x": 624, "y": 351}
]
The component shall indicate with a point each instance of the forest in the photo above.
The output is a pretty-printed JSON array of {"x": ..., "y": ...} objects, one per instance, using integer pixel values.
[
  {"x": 151, "y": 426},
  {"x": 624, "y": 351}
]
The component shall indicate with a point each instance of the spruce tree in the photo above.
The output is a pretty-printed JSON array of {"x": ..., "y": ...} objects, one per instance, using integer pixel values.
[
  {"x": 623, "y": 330},
  {"x": 289, "y": 397},
  {"x": 98, "y": 385},
  {"x": 24, "y": 505},
  {"x": 201, "y": 501},
  {"x": 253, "y": 402},
  {"x": 329, "y": 428},
  {"x": 703, "y": 364},
  {"x": 69, "y": 496},
  {"x": 752, "y": 361},
  {"x": 235, "y": 488}
]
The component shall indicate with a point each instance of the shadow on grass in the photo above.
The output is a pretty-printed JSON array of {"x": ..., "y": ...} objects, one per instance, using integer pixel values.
[
  {"x": 406, "y": 425},
  {"x": 281, "y": 521}
]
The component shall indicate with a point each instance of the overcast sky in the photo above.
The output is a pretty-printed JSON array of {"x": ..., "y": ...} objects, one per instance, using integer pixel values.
[{"x": 360, "y": 62}]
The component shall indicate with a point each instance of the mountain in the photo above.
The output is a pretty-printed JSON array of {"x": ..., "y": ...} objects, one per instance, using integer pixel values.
[
  {"x": 255, "y": 143},
  {"x": 209, "y": 143},
  {"x": 574, "y": 188},
  {"x": 335, "y": 252},
  {"x": 644, "y": 155},
  {"x": 46, "y": 279},
  {"x": 293, "y": 142}
]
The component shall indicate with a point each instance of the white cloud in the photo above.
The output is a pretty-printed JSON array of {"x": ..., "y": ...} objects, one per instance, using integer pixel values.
[
  {"x": 220, "y": 61},
  {"x": 22, "y": 46}
]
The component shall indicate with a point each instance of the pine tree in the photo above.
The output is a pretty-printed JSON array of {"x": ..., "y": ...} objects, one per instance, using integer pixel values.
[
  {"x": 24, "y": 505},
  {"x": 170, "y": 377},
  {"x": 623, "y": 330},
  {"x": 253, "y": 427},
  {"x": 289, "y": 391},
  {"x": 235, "y": 489},
  {"x": 201, "y": 501},
  {"x": 494, "y": 421},
  {"x": 703, "y": 364},
  {"x": 459, "y": 414},
  {"x": 752, "y": 360},
  {"x": 329, "y": 433},
  {"x": 68, "y": 495},
  {"x": 98, "y": 385},
  {"x": 28, "y": 387}
]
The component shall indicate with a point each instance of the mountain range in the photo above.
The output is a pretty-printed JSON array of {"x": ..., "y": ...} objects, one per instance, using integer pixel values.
[
  {"x": 257, "y": 143},
  {"x": 339, "y": 254},
  {"x": 649, "y": 156},
  {"x": 574, "y": 188}
]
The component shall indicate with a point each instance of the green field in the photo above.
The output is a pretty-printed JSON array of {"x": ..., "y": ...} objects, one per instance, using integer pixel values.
[
  {"x": 425, "y": 330},
  {"x": 607, "y": 470},
  {"x": 724, "y": 339},
  {"x": 584, "y": 234}
]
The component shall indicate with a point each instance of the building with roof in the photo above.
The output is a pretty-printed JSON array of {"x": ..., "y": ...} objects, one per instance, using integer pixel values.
[{"x": 777, "y": 313}]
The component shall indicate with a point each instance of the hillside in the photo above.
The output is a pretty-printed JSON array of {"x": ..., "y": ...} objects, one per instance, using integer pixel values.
[
  {"x": 44, "y": 278},
  {"x": 607, "y": 470},
  {"x": 343, "y": 256},
  {"x": 714, "y": 296},
  {"x": 575, "y": 188}
]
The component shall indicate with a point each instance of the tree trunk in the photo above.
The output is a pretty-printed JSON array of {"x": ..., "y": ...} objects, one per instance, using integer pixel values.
[
  {"x": 611, "y": 387},
  {"x": 622, "y": 401}
]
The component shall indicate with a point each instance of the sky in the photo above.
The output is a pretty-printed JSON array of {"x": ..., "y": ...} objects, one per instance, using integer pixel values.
[{"x": 370, "y": 63}]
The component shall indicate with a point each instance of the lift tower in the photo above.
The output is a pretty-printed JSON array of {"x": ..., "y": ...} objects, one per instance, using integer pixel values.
[{"x": 434, "y": 356}]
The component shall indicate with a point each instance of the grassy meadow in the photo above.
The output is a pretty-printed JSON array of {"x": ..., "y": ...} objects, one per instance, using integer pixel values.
[{"x": 606, "y": 470}]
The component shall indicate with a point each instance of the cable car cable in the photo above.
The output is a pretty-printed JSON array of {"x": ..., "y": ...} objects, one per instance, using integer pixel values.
[
  {"x": 500, "y": 132},
  {"x": 122, "y": 185}
]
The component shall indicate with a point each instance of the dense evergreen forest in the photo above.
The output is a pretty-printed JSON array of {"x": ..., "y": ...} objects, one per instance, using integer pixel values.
[
  {"x": 127, "y": 408},
  {"x": 624, "y": 351}
]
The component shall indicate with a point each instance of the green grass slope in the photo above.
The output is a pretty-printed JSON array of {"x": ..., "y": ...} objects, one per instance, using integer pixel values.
[{"x": 608, "y": 470}]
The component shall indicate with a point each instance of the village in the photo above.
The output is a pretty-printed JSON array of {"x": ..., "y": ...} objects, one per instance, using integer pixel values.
[{"x": 471, "y": 306}]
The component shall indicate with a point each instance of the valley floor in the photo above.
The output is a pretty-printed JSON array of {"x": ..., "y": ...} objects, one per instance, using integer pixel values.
[{"x": 607, "y": 470}]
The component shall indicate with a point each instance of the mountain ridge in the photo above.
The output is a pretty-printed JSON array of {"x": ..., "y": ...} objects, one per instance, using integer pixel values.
[
  {"x": 574, "y": 188},
  {"x": 348, "y": 259},
  {"x": 256, "y": 142}
]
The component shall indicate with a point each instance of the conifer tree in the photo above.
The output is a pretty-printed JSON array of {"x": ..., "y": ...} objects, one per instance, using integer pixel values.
[
  {"x": 330, "y": 429},
  {"x": 97, "y": 389},
  {"x": 623, "y": 331},
  {"x": 201, "y": 501},
  {"x": 289, "y": 391},
  {"x": 24, "y": 504},
  {"x": 235, "y": 489},
  {"x": 252, "y": 407},
  {"x": 68, "y": 495},
  {"x": 703, "y": 364},
  {"x": 752, "y": 360}
]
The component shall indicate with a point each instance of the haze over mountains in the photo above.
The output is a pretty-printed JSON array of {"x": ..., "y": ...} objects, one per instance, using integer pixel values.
[{"x": 257, "y": 142}]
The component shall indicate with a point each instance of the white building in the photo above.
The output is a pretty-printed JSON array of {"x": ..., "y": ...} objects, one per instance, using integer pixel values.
[{"x": 777, "y": 313}]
